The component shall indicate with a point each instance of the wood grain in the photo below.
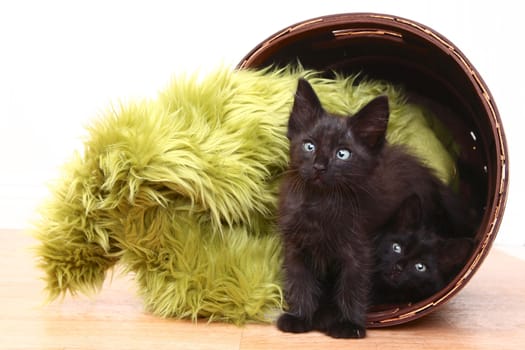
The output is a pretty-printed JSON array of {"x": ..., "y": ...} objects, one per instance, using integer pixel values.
[{"x": 489, "y": 313}]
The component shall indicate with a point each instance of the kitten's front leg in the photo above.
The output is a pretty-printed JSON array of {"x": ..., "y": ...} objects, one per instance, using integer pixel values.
[
  {"x": 302, "y": 294},
  {"x": 351, "y": 297}
]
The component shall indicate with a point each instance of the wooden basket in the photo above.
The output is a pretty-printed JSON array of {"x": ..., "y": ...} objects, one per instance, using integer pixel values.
[{"x": 406, "y": 52}]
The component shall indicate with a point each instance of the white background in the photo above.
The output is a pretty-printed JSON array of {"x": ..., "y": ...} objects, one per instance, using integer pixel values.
[{"x": 64, "y": 62}]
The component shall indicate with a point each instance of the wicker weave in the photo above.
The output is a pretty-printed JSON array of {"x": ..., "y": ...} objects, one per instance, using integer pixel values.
[{"x": 404, "y": 51}]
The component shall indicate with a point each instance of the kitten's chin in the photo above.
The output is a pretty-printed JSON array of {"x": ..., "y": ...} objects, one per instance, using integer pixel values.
[
  {"x": 317, "y": 181},
  {"x": 319, "y": 184},
  {"x": 392, "y": 279}
]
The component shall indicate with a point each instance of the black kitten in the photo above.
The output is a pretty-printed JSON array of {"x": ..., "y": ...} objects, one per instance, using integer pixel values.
[
  {"x": 413, "y": 261},
  {"x": 343, "y": 183}
]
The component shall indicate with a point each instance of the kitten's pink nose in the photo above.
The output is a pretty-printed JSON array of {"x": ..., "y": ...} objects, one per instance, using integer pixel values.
[{"x": 321, "y": 168}]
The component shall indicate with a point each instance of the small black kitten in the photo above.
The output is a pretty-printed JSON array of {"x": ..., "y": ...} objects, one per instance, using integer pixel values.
[
  {"x": 412, "y": 261},
  {"x": 344, "y": 182}
]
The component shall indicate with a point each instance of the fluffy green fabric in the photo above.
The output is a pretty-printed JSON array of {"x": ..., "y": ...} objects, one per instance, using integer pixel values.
[{"x": 181, "y": 190}]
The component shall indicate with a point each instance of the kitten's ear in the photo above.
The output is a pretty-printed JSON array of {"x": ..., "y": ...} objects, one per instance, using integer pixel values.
[
  {"x": 306, "y": 109},
  {"x": 370, "y": 123},
  {"x": 409, "y": 214},
  {"x": 453, "y": 252}
]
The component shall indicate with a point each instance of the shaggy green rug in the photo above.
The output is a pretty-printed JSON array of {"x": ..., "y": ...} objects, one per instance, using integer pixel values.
[{"x": 181, "y": 191}]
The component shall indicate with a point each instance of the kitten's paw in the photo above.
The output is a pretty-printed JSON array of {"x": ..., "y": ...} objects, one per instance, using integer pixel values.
[
  {"x": 346, "y": 330},
  {"x": 292, "y": 324}
]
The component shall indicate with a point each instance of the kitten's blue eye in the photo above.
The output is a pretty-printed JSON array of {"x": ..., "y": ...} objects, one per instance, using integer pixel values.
[
  {"x": 396, "y": 247},
  {"x": 420, "y": 267},
  {"x": 308, "y": 146},
  {"x": 343, "y": 154}
]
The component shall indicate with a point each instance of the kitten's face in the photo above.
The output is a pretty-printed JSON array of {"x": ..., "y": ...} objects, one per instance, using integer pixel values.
[
  {"x": 409, "y": 261},
  {"x": 327, "y": 155},
  {"x": 412, "y": 261},
  {"x": 329, "y": 151}
]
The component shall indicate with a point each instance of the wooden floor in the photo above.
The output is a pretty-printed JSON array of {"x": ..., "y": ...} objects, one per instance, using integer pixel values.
[{"x": 489, "y": 313}]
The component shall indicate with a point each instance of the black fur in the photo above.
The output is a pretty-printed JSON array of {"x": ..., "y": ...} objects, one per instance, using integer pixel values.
[
  {"x": 344, "y": 183},
  {"x": 414, "y": 261}
]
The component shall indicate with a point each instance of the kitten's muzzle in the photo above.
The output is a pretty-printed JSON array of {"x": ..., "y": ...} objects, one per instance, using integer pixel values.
[
  {"x": 319, "y": 168},
  {"x": 394, "y": 273}
]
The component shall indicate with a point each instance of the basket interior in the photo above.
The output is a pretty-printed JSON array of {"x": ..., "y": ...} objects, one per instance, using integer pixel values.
[{"x": 437, "y": 75}]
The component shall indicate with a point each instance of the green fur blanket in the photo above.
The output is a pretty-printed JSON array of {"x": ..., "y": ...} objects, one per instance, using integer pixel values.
[{"x": 181, "y": 191}]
